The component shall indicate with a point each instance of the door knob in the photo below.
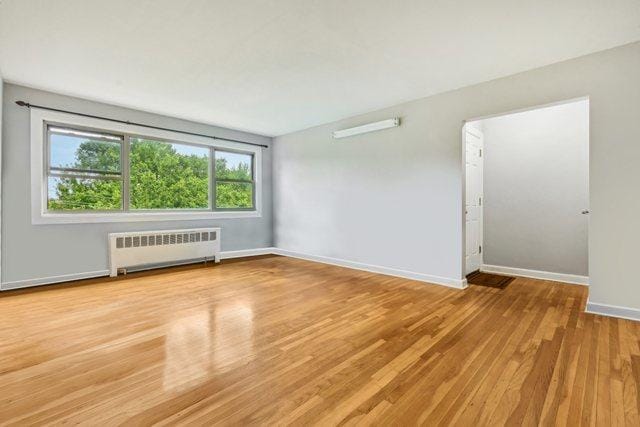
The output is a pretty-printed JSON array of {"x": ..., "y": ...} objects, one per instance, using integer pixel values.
[{"x": 585, "y": 212}]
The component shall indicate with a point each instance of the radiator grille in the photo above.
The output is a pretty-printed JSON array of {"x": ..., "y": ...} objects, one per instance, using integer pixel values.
[
  {"x": 164, "y": 239},
  {"x": 162, "y": 247}
]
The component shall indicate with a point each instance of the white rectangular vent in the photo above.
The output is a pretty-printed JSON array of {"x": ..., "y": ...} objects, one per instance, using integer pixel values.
[
  {"x": 165, "y": 246},
  {"x": 163, "y": 239}
]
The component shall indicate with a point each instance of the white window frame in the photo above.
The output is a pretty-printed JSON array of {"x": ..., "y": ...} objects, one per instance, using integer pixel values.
[{"x": 40, "y": 215}]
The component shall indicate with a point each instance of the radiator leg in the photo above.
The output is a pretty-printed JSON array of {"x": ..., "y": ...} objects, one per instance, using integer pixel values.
[
  {"x": 113, "y": 272},
  {"x": 216, "y": 259}
]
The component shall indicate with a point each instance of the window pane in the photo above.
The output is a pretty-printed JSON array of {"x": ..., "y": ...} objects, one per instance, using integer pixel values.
[
  {"x": 235, "y": 166},
  {"x": 168, "y": 176},
  {"x": 84, "y": 152},
  {"x": 234, "y": 195},
  {"x": 84, "y": 194}
]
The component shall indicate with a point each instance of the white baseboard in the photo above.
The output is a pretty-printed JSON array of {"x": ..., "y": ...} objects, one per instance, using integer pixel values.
[
  {"x": 536, "y": 274},
  {"x": 27, "y": 283},
  {"x": 444, "y": 281},
  {"x": 246, "y": 252},
  {"x": 50, "y": 280},
  {"x": 613, "y": 311}
]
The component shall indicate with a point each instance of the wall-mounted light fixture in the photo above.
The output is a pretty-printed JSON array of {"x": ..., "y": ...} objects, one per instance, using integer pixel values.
[{"x": 384, "y": 124}]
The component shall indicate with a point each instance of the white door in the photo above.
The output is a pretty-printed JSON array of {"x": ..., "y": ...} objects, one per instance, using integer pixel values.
[{"x": 473, "y": 200}]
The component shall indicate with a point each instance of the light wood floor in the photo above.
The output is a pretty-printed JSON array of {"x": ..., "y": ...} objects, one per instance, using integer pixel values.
[{"x": 278, "y": 340}]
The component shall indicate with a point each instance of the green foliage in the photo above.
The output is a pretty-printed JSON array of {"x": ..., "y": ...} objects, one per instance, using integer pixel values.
[
  {"x": 233, "y": 194},
  {"x": 160, "y": 178},
  {"x": 242, "y": 172},
  {"x": 98, "y": 156},
  {"x": 85, "y": 194}
]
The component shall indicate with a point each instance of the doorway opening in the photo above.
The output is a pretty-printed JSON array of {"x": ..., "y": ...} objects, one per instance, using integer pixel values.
[{"x": 526, "y": 197}]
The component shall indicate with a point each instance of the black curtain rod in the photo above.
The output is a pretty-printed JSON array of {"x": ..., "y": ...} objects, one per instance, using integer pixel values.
[{"x": 126, "y": 122}]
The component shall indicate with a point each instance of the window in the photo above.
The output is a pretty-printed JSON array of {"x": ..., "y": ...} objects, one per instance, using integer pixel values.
[
  {"x": 95, "y": 171},
  {"x": 234, "y": 180},
  {"x": 85, "y": 170},
  {"x": 166, "y": 175}
]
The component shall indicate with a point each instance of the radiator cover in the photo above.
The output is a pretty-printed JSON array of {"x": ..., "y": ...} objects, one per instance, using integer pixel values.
[{"x": 141, "y": 248}]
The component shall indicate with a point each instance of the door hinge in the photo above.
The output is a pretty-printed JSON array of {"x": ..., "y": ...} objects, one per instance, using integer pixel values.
[
  {"x": 479, "y": 201},
  {"x": 480, "y": 153},
  {"x": 480, "y": 249}
]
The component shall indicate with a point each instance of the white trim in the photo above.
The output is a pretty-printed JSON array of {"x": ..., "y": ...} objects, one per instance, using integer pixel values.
[
  {"x": 613, "y": 311},
  {"x": 473, "y": 131},
  {"x": 437, "y": 280},
  {"x": 136, "y": 217},
  {"x": 39, "y": 184},
  {"x": 246, "y": 253},
  {"x": 536, "y": 274},
  {"x": 525, "y": 109},
  {"x": 100, "y": 273},
  {"x": 17, "y": 284}
]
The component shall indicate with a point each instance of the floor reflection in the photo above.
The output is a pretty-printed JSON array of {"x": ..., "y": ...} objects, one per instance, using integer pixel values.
[
  {"x": 194, "y": 351},
  {"x": 233, "y": 335},
  {"x": 187, "y": 351}
]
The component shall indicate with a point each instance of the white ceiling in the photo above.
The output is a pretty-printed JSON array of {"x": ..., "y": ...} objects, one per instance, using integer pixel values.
[{"x": 276, "y": 66}]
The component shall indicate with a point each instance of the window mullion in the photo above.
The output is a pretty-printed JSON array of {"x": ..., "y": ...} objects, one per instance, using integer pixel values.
[
  {"x": 213, "y": 179},
  {"x": 84, "y": 176},
  {"x": 239, "y": 181},
  {"x": 126, "y": 176},
  {"x": 88, "y": 172}
]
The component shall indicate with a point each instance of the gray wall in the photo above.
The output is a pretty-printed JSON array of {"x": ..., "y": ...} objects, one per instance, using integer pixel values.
[
  {"x": 42, "y": 251},
  {"x": 388, "y": 198},
  {"x": 1, "y": 104},
  {"x": 536, "y": 183},
  {"x": 394, "y": 198}
]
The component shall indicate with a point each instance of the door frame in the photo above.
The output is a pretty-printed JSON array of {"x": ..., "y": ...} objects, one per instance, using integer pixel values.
[{"x": 463, "y": 204}]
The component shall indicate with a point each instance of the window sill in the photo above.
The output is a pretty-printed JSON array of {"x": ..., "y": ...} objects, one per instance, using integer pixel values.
[{"x": 87, "y": 218}]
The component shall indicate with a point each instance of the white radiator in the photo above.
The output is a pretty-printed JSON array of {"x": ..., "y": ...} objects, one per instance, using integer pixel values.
[{"x": 165, "y": 246}]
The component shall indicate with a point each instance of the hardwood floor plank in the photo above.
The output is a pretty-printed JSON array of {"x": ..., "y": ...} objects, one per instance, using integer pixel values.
[
  {"x": 282, "y": 341},
  {"x": 628, "y": 347}
]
